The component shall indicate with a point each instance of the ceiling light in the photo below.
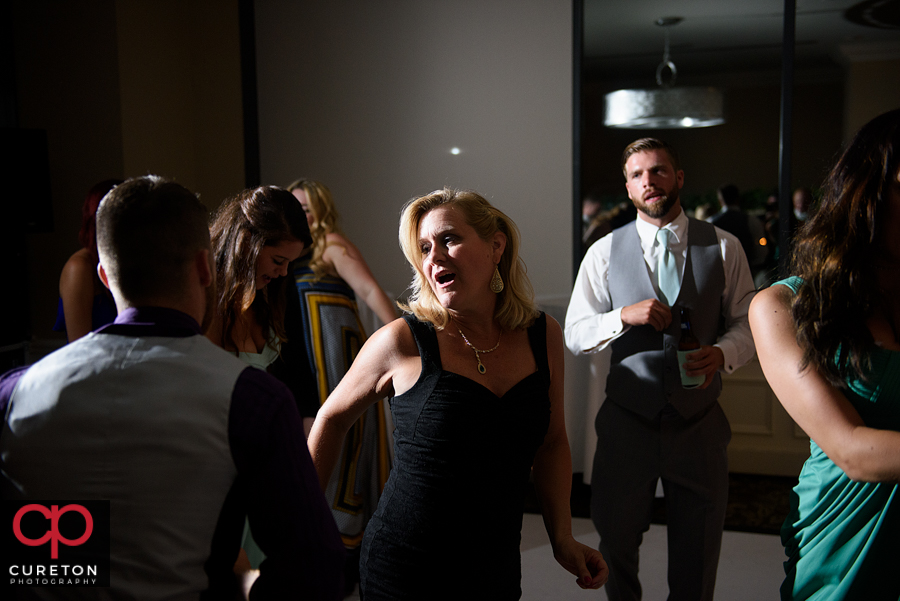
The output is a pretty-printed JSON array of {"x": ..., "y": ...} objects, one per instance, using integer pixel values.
[{"x": 665, "y": 107}]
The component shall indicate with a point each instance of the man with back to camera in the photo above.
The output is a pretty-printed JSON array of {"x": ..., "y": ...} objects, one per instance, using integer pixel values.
[
  {"x": 628, "y": 293},
  {"x": 180, "y": 436}
]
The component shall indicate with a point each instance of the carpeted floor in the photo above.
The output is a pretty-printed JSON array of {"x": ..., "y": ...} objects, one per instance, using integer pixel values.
[{"x": 756, "y": 503}]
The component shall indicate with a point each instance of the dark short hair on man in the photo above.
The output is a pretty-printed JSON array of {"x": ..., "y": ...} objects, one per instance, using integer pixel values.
[
  {"x": 149, "y": 231},
  {"x": 645, "y": 144}
]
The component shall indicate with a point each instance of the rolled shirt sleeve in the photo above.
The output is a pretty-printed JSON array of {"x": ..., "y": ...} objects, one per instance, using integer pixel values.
[
  {"x": 737, "y": 341},
  {"x": 591, "y": 322}
]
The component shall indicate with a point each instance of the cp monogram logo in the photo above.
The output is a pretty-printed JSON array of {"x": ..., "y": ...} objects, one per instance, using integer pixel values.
[{"x": 53, "y": 534}]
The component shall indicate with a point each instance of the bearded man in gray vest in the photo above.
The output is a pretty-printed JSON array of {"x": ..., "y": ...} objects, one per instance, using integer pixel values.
[
  {"x": 182, "y": 438},
  {"x": 628, "y": 293}
]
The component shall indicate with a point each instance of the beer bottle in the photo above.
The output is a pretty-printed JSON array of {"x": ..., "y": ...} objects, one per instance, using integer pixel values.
[{"x": 687, "y": 344}]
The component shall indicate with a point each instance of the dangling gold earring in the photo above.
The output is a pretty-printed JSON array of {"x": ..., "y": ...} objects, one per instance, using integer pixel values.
[{"x": 496, "y": 282}]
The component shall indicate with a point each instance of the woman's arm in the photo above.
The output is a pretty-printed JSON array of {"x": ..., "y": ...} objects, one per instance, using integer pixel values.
[
  {"x": 388, "y": 361},
  {"x": 864, "y": 454},
  {"x": 76, "y": 289},
  {"x": 349, "y": 264},
  {"x": 553, "y": 479}
]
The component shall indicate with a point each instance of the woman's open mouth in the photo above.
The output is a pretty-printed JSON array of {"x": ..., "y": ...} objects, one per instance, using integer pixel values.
[{"x": 445, "y": 279}]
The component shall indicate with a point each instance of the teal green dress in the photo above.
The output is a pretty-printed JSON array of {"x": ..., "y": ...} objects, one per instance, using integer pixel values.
[{"x": 842, "y": 538}]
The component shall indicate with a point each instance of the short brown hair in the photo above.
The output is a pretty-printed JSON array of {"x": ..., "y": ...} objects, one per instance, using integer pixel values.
[
  {"x": 645, "y": 144},
  {"x": 149, "y": 231}
]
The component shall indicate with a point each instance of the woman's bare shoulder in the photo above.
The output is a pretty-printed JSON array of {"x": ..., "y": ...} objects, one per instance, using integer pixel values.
[
  {"x": 79, "y": 270},
  {"x": 394, "y": 339},
  {"x": 80, "y": 262},
  {"x": 552, "y": 323},
  {"x": 336, "y": 239},
  {"x": 774, "y": 300}
]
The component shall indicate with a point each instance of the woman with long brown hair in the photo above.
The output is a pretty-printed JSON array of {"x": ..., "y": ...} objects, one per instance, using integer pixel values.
[
  {"x": 255, "y": 236},
  {"x": 828, "y": 340}
]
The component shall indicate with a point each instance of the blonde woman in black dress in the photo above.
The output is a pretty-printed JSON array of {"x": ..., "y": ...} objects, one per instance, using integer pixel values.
[{"x": 475, "y": 376}]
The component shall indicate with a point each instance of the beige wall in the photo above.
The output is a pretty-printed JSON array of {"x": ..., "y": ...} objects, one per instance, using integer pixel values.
[
  {"x": 370, "y": 97},
  {"x": 179, "y": 68},
  {"x": 125, "y": 88}
]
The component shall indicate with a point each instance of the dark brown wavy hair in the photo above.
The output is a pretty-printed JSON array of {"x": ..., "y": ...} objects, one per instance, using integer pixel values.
[
  {"x": 240, "y": 228},
  {"x": 835, "y": 253}
]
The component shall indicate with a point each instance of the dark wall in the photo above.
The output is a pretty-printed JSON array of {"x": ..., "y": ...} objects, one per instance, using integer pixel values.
[{"x": 66, "y": 84}]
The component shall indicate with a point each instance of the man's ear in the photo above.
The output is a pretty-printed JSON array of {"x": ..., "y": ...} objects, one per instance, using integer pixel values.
[
  {"x": 102, "y": 273},
  {"x": 205, "y": 268}
]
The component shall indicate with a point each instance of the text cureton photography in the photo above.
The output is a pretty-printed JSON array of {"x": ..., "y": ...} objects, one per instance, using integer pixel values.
[{"x": 55, "y": 543}]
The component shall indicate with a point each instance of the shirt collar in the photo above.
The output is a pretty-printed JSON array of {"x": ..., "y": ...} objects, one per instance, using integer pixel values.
[
  {"x": 152, "y": 321},
  {"x": 647, "y": 231}
]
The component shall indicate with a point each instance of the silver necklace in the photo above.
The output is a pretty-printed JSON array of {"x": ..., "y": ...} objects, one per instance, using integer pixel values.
[{"x": 478, "y": 351}]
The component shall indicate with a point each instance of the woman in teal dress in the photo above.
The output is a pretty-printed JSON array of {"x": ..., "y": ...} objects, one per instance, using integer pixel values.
[{"x": 828, "y": 341}]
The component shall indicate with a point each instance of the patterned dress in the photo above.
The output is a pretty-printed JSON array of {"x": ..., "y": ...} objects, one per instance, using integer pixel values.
[{"x": 334, "y": 335}]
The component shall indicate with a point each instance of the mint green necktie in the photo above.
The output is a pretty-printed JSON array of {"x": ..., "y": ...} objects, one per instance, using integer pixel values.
[{"x": 666, "y": 269}]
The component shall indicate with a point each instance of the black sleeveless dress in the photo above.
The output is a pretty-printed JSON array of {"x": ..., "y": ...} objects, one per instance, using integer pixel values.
[{"x": 449, "y": 522}]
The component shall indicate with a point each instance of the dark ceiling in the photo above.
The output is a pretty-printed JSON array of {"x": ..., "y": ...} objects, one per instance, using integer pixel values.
[{"x": 720, "y": 39}]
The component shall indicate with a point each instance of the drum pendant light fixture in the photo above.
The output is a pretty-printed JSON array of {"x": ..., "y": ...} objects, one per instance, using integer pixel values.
[{"x": 666, "y": 107}]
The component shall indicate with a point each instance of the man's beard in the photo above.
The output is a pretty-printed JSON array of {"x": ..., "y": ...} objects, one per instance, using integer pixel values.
[{"x": 661, "y": 207}]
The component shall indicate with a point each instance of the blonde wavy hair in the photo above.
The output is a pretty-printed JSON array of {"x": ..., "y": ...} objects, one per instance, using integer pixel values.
[
  {"x": 325, "y": 219},
  {"x": 515, "y": 304}
]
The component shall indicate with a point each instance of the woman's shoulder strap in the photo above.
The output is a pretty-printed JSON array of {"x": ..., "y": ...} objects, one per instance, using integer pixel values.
[
  {"x": 537, "y": 337},
  {"x": 793, "y": 282},
  {"x": 426, "y": 339}
]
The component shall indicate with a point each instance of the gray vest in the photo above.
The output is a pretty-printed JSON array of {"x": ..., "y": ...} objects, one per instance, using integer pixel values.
[
  {"x": 644, "y": 374},
  {"x": 143, "y": 423}
]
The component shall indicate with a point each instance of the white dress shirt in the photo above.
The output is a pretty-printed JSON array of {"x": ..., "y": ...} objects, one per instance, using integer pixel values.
[{"x": 592, "y": 323}]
